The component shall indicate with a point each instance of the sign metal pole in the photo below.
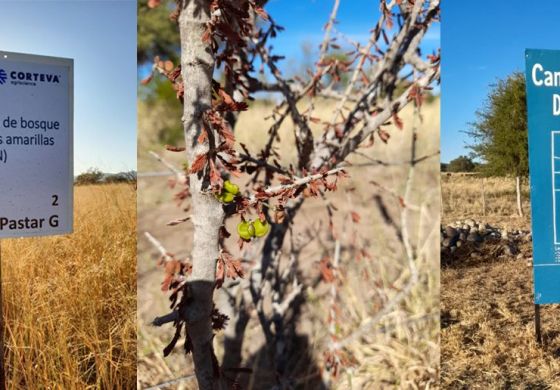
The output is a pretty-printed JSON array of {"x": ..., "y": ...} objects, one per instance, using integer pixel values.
[{"x": 538, "y": 333}]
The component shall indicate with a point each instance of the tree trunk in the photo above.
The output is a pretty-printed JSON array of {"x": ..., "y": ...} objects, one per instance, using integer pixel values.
[
  {"x": 197, "y": 62},
  {"x": 518, "y": 191}
]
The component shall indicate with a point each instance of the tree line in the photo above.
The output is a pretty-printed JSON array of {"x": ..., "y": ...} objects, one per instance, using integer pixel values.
[{"x": 96, "y": 176}]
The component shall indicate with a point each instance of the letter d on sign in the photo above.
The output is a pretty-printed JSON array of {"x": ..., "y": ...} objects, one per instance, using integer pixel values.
[{"x": 555, "y": 104}]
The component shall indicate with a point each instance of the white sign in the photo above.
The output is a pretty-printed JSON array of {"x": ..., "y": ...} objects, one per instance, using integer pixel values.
[{"x": 36, "y": 145}]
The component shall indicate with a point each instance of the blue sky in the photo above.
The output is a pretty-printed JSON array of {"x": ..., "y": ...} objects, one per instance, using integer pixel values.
[
  {"x": 101, "y": 38},
  {"x": 304, "y": 20},
  {"x": 483, "y": 41}
]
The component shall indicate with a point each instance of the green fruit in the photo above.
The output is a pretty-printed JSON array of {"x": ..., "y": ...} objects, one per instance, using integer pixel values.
[
  {"x": 230, "y": 187},
  {"x": 251, "y": 229},
  {"x": 261, "y": 228},
  {"x": 227, "y": 197},
  {"x": 245, "y": 230}
]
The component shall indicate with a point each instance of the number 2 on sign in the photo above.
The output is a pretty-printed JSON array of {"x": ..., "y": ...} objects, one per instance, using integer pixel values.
[{"x": 55, "y": 200}]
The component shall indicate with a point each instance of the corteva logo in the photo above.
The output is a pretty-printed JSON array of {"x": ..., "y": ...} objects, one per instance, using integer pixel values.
[{"x": 27, "y": 78}]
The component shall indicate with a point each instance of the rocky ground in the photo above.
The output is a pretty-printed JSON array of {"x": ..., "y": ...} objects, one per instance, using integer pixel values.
[{"x": 466, "y": 242}]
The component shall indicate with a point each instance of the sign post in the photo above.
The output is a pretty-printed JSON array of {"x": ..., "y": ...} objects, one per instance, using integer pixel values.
[
  {"x": 538, "y": 333},
  {"x": 36, "y": 148},
  {"x": 542, "y": 73}
]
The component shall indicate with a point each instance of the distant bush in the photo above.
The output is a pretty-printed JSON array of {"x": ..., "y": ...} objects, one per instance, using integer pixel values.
[
  {"x": 95, "y": 176},
  {"x": 121, "y": 177},
  {"x": 461, "y": 164},
  {"x": 92, "y": 176}
]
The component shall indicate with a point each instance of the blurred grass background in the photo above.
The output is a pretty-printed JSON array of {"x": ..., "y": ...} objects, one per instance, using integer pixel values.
[{"x": 403, "y": 350}]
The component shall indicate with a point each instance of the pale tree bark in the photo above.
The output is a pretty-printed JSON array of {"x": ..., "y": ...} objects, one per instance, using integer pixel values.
[{"x": 197, "y": 62}]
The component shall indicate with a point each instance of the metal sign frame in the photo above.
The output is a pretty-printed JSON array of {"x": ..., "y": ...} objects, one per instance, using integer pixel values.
[
  {"x": 543, "y": 119},
  {"x": 69, "y": 64}
]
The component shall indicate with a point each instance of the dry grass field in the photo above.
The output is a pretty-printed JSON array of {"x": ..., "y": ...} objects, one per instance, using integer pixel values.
[
  {"x": 488, "y": 339},
  {"x": 70, "y": 301},
  {"x": 401, "y": 351},
  {"x": 462, "y": 197}
]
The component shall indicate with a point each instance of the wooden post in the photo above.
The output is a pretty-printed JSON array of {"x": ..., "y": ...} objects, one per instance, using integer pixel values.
[
  {"x": 518, "y": 190},
  {"x": 538, "y": 323},
  {"x": 483, "y": 199}
]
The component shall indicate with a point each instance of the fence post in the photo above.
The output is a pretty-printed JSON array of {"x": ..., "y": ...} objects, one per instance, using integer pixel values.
[
  {"x": 518, "y": 190},
  {"x": 483, "y": 198}
]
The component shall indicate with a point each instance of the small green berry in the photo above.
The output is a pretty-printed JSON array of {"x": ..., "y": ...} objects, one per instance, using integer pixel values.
[
  {"x": 230, "y": 187},
  {"x": 245, "y": 230},
  {"x": 261, "y": 228},
  {"x": 227, "y": 197}
]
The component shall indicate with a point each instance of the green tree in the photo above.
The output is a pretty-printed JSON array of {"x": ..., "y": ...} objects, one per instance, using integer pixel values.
[
  {"x": 461, "y": 164},
  {"x": 500, "y": 131},
  {"x": 156, "y": 36}
]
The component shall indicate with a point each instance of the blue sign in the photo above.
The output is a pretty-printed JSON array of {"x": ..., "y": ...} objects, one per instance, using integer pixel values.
[{"x": 542, "y": 73}]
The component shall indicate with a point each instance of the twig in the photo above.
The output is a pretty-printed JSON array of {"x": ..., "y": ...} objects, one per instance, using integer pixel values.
[
  {"x": 333, "y": 321},
  {"x": 413, "y": 271},
  {"x": 395, "y": 195},
  {"x": 178, "y": 221},
  {"x": 164, "y": 253},
  {"x": 165, "y": 319},
  {"x": 373, "y": 161},
  {"x": 365, "y": 53},
  {"x": 328, "y": 28},
  {"x": 181, "y": 177},
  {"x": 296, "y": 183}
]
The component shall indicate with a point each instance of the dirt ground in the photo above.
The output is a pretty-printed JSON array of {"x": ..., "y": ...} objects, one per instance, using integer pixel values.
[{"x": 487, "y": 312}]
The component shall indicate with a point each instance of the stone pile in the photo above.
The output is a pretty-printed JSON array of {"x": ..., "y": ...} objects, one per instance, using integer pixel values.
[{"x": 473, "y": 233}]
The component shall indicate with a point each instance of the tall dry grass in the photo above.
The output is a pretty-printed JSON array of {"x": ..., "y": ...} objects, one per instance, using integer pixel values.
[
  {"x": 70, "y": 301},
  {"x": 488, "y": 336},
  {"x": 462, "y": 197}
]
